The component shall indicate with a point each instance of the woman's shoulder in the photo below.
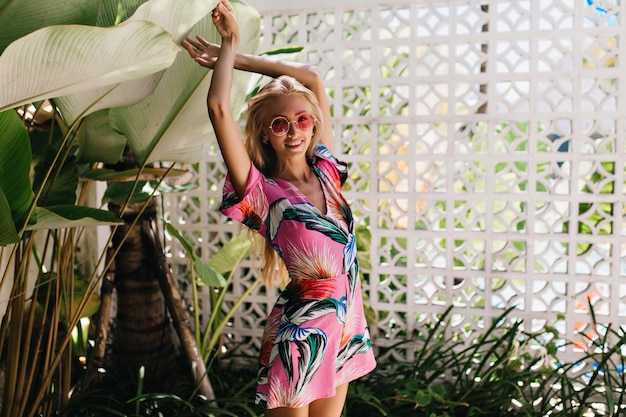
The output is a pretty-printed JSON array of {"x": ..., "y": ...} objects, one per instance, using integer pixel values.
[
  {"x": 327, "y": 161},
  {"x": 322, "y": 151}
]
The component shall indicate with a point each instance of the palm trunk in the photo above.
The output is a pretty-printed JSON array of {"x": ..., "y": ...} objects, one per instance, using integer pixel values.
[
  {"x": 143, "y": 336},
  {"x": 146, "y": 292},
  {"x": 183, "y": 327}
]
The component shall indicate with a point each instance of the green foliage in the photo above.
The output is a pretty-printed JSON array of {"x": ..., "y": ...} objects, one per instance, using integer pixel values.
[
  {"x": 216, "y": 275},
  {"x": 123, "y": 398},
  {"x": 449, "y": 376},
  {"x": 141, "y": 191},
  {"x": 16, "y": 195},
  {"x": 505, "y": 371}
]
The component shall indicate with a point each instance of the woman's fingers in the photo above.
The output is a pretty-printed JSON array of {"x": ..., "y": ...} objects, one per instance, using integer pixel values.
[
  {"x": 192, "y": 42},
  {"x": 193, "y": 52},
  {"x": 216, "y": 14},
  {"x": 203, "y": 41},
  {"x": 200, "y": 46},
  {"x": 227, "y": 5},
  {"x": 223, "y": 13}
]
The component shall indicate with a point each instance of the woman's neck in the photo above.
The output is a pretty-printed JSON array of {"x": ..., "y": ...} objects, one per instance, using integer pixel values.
[{"x": 293, "y": 171}]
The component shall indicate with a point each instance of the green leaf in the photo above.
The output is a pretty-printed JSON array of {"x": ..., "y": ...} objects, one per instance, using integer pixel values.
[
  {"x": 118, "y": 192},
  {"x": 79, "y": 289},
  {"x": 231, "y": 254},
  {"x": 176, "y": 17},
  {"x": 19, "y": 18},
  {"x": 60, "y": 187},
  {"x": 97, "y": 141},
  {"x": 172, "y": 123},
  {"x": 72, "y": 216},
  {"x": 61, "y": 60},
  {"x": 15, "y": 160},
  {"x": 8, "y": 234},
  {"x": 114, "y": 12},
  {"x": 423, "y": 398},
  {"x": 129, "y": 174},
  {"x": 363, "y": 244},
  {"x": 283, "y": 51},
  {"x": 438, "y": 390},
  {"x": 206, "y": 275}
]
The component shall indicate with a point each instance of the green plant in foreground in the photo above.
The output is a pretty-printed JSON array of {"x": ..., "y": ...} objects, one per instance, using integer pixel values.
[
  {"x": 217, "y": 276},
  {"x": 450, "y": 377},
  {"x": 116, "y": 401},
  {"x": 503, "y": 372},
  {"x": 592, "y": 386}
]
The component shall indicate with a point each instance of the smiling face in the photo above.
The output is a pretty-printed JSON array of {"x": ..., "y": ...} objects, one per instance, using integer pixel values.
[
  {"x": 282, "y": 97},
  {"x": 296, "y": 142}
]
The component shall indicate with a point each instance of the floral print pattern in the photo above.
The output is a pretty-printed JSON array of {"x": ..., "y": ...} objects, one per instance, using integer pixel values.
[{"x": 316, "y": 336}]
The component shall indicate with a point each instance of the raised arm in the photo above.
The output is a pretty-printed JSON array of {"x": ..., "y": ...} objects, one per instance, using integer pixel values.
[
  {"x": 218, "y": 99},
  {"x": 206, "y": 54}
]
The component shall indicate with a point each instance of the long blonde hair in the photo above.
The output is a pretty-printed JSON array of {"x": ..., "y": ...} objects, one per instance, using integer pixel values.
[{"x": 273, "y": 270}]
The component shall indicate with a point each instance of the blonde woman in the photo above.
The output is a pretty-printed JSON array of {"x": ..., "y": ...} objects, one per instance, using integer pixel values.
[{"x": 284, "y": 183}]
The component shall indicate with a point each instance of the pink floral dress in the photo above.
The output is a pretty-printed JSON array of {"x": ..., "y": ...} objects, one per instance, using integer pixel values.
[{"x": 315, "y": 337}]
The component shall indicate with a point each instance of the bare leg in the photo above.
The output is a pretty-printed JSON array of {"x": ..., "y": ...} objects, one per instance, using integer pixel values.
[
  {"x": 287, "y": 412},
  {"x": 330, "y": 407},
  {"x": 324, "y": 407}
]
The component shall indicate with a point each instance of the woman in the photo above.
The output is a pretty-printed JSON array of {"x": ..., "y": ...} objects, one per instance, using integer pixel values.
[{"x": 285, "y": 184}]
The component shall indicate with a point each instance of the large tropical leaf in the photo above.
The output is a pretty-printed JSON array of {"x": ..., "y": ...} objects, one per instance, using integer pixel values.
[
  {"x": 15, "y": 159},
  {"x": 21, "y": 17},
  {"x": 61, "y": 60},
  {"x": 231, "y": 254},
  {"x": 97, "y": 141},
  {"x": 172, "y": 123},
  {"x": 68, "y": 309},
  {"x": 8, "y": 233},
  {"x": 118, "y": 192},
  {"x": 205, "y": 274},
  {"x": 177, "y": 17},
  {"x": 60, "y": 187},
  {"x": 72, "y": 216},
  {"x": 173, "y": 176},
  {"x": 114, "y": 12}
]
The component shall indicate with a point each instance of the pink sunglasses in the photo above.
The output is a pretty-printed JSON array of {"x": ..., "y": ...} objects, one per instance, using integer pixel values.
[{"x": 280, "y": 125}]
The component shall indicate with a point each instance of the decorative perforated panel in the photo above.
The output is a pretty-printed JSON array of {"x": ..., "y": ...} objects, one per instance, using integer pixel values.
[{"x": 486, "y": 145}]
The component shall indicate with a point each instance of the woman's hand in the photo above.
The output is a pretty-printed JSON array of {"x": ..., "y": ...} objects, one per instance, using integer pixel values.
[
  {"x": 224, "y": 20},
  {"x": 206, "y": 53},
  {"x": 202, "y": 51}
]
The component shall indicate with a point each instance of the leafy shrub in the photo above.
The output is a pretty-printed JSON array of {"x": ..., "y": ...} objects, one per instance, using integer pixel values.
[{"x": 504, "y": 372}]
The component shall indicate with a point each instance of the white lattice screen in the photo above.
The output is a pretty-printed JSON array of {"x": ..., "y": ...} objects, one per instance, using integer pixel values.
[{"x": 486, "y": 143}]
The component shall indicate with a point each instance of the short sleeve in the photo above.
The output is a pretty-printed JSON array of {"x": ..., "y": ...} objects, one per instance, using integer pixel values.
[
  {"x": 250, "y": 210},
  {"x": 327, "y": 162}
]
